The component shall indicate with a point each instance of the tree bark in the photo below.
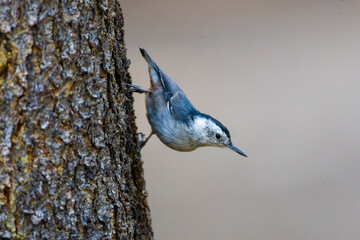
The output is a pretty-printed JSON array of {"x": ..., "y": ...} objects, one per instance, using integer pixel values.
[{"x": 69, "y": 167}]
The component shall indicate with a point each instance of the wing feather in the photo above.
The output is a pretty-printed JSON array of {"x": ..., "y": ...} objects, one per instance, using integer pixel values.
[{"x": 181, "y": 108}]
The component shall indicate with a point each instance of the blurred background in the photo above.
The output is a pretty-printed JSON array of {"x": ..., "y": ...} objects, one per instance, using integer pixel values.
[{"x": 284, "y": 77}]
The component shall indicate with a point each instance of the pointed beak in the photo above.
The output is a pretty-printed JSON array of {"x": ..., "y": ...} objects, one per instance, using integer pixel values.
[{"x": 232, "y": 147}]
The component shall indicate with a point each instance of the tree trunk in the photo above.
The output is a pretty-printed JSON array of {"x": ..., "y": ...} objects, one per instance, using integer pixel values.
[{"x": 69, "y": 167}]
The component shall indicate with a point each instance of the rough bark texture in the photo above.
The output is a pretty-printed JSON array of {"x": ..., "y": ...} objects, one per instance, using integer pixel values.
[{"x": 69, "y": 167}]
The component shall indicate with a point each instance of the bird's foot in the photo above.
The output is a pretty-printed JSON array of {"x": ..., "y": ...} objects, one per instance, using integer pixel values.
[
  {"x": 143, "y": 140},
  {"x": 137, "y": 88}
]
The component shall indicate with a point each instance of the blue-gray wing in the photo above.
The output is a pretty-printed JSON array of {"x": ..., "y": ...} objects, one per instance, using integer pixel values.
[
  {"x": 181, "y": 108},
  {"x": 170, "y": 87}
]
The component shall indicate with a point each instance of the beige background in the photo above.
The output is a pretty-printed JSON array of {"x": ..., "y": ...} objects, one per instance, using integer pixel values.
[{"x": 284, "y": 77}]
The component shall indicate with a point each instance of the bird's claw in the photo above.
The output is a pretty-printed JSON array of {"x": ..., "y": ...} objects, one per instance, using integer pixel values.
[
  {"x": 143, "y": 140},
  {"x": 137, "y": 88}
]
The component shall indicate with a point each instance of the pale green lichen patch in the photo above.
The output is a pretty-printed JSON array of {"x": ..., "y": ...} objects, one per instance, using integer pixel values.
[
  {"x": 10, "y": 223},
  {"x": 8, "y": 52},
  {"x": 24, "y": 160},
  {"x": 3, "y": 56}
]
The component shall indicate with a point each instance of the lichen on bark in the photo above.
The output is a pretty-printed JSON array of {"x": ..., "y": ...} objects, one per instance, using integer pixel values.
[{"x": 69, "y": 167}]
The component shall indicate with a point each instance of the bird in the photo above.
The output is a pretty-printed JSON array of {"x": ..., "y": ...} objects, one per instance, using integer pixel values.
[{"x": 174, "y": 119}]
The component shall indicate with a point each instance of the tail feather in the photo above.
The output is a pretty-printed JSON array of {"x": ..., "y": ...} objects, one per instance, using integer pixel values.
[
  {"x": 155, "y": 72},
  {"x": 148, "y": 58},
  {"x": 159, "y": 77}
]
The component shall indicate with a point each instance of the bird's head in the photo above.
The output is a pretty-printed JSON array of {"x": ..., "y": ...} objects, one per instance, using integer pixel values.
[{"x": 210, "y": 132}]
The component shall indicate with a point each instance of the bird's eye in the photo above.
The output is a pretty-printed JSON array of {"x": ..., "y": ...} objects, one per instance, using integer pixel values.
[{"x": 217, "y": 136}]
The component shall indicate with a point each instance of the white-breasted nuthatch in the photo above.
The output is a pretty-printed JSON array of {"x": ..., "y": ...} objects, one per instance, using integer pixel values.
[{"x": 176, "y": 122}]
